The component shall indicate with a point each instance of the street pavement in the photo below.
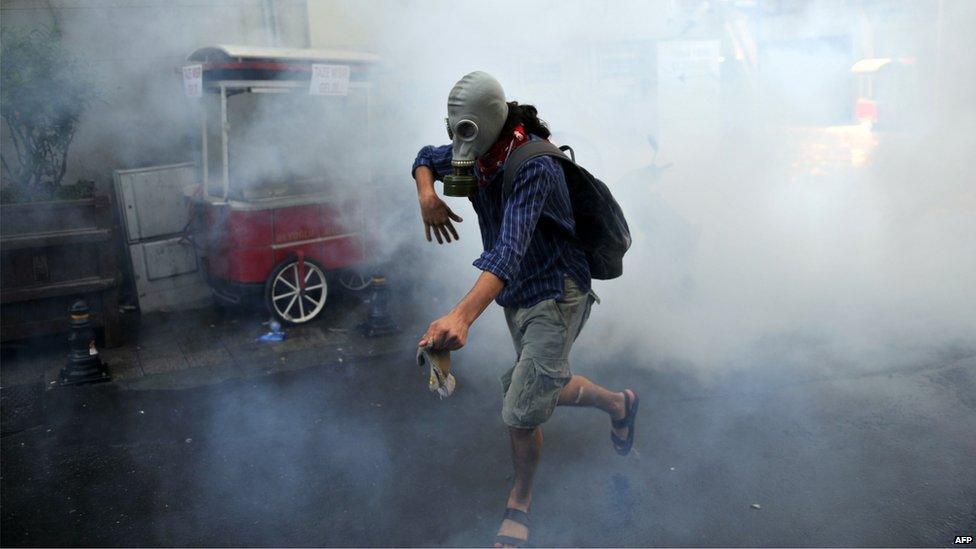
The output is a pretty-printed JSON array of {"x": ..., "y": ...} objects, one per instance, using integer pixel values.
[
  {"x": 358, "y": 453},
  {"x": 203, "y": 346}
]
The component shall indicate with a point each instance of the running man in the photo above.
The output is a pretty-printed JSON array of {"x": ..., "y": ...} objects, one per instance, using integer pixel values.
[{"x": 540, "y": 279}]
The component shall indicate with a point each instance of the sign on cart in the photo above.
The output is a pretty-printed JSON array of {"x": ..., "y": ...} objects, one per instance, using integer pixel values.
[
  {"x": 193, "y": 80},
  {"x": 329, "y": 80}
]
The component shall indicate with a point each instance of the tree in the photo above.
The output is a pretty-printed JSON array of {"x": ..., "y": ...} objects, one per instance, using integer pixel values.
[{"x": 44, "y": 89}]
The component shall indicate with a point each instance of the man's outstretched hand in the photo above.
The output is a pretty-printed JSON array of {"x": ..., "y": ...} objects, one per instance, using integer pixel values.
[
  {"x": 435, "y": 213},
  {"x": 437, "y": 216},
  {"x": 447, "y": 332}
]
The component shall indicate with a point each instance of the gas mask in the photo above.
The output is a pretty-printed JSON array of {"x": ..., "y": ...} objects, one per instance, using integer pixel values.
[{"x": 476, "y": 113}]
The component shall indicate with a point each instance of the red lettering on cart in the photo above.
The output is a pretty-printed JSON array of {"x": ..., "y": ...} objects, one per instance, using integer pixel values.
[{"x": 291, "y": 236}]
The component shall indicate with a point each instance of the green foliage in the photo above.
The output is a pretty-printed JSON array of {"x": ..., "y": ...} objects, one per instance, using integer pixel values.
[
  {"x": 83, "y": 188},
  {"x": 10, "y": 195},
  {"x": 44, "y": 89}
]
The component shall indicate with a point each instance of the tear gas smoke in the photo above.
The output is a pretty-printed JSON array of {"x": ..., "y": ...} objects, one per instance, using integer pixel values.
[
  {"x": 768, "y": 227},
  {"x": 778, "y": 216}
]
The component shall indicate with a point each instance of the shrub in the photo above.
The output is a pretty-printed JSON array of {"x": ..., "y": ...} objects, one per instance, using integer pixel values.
[{"x": 44, "y": 89}]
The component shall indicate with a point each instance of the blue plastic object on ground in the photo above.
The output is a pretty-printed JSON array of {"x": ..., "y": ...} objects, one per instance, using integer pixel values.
[{"x": 276, "y": 333}]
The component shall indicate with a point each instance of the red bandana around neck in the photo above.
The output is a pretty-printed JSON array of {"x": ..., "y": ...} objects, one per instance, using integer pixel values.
[{"x": 493, "y": 160}]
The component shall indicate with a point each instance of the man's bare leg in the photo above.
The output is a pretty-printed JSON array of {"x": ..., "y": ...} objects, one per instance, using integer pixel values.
[
  {"x": 527, "y": 443},
  {"x": 526, "y": 449},
  {"x": 580, "y": 391}
]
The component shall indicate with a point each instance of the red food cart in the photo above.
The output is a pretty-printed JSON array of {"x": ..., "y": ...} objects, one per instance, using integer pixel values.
[{"x": 285, "y": 175}]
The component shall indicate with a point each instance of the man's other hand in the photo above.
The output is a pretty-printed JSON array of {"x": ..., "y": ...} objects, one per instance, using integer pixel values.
[
  {"x": 448, "y": 332},
  {"x": 437, "y": 216}
]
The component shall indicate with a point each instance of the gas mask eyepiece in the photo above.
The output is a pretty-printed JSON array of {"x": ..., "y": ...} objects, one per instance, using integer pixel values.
[
  {"x": 476, "y": 113},
  {"x": 466, "y": 130}
]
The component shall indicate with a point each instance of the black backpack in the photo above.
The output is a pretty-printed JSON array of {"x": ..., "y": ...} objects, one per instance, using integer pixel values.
[{"x": 601, "y": 230}]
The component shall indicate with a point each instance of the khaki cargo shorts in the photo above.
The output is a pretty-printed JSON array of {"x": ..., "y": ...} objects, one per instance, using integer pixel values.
[{"x": 543, "y": 335}]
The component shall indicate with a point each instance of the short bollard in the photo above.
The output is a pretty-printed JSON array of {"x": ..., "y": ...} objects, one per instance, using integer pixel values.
[
  {"x": 84, "y": 364},
  {"x": 379, "y": 322}
]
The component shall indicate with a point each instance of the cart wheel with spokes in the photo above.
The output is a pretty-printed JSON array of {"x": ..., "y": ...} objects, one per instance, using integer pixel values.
[
  {"x": 353, "y": 280},
  {"x": 292, "y": 299}
]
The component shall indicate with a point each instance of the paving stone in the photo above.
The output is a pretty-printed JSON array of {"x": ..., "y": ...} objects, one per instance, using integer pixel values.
[
  {"x": 242, "y": 336},
  {"x": 228, "y": 369},
  {"x": 377, "y": 345},
  {"x": 52, "y": 375},
  {"x": 203, "y": 358},
  {"x": 311, "y": 335},
  {"x": 162, "y": 358},
  {"x": 300, "y": 343},
  {"x": 304, "y": 358},
  {"x": 154, "y": 337},
  {"x": 20, "y": 378},
  {"x": 121, "y": 358},
  {"x": 121, "y": 370},
  {"x": 261, "y": 366},
  {"x": 21, "y": 407},
  {"x": 194, "y": 342},
  {"x": 193, "y": 377},
  {"x": 24, "y": 371},
  {"x": 251, "y": 351}
]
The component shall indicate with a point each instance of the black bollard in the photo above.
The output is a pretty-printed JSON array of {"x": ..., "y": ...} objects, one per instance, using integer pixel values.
[
  {"x": 84, "y": 365},
  {"x": 379, "y": 322}
]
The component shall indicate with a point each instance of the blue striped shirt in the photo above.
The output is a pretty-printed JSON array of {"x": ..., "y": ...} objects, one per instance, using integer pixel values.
[{"x": 532, "y": 263}]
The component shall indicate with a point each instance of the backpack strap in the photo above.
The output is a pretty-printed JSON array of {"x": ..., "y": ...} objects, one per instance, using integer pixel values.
[
  {"x": 521, "y": 155},
  {"x": 514, "y": 164}
]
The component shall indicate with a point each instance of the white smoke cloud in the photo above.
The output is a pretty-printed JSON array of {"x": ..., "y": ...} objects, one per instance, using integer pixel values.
[{"x": 780, "y": 216}]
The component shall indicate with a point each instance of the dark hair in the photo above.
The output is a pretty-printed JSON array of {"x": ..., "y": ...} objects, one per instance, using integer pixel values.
[{"x": 528, "y": 116}]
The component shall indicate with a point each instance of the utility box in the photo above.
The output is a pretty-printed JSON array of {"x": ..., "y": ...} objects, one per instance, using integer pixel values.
[{"x": 155, "y": 214}]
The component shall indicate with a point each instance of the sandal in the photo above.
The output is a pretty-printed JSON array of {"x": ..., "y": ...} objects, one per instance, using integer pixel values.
[
  {"x": 514, "y": 515},
  {"x": 623, "y": 446}
]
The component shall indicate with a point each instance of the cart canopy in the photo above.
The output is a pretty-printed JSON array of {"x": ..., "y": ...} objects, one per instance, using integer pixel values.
[
  {"x": 229, "y": 63},
  {"x": 265, "y": 135},
  {"x": 224, "y": 53}
]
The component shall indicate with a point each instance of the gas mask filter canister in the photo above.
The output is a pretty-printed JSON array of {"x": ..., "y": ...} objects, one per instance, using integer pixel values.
[{"x": 476, "y": 113}]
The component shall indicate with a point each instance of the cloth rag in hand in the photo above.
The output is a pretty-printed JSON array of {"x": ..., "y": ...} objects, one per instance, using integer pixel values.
[{"x": 438, "y": 362}]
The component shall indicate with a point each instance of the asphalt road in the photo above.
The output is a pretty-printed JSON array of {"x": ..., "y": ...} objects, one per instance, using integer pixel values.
[{"x": 359, "y": 454}]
